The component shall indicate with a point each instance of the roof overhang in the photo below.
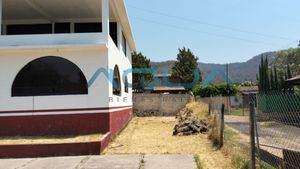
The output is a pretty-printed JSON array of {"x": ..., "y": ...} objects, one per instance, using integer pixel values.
[
  {"x": 294, "y": 81},
  {"x": 167, "y": 88},
  {"x": 121, "y": 14}
]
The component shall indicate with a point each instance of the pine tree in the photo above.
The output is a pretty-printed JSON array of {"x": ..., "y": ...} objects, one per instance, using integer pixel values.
[
  {"x": 185, "y": 66},
  {"x": 139, "y": 61},
  {"x": 266, "y": 75},
  {"x": 261, "y": 82}
]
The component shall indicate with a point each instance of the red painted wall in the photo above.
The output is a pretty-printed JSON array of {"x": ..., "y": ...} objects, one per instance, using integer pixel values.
[
  {"x": 118, "y": 120},
  {"x": 77, "y": 124}
]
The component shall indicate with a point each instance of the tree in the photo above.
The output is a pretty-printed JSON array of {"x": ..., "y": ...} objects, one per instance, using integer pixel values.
[
  {"x": 276, "y": 79},
  {"x": 289, "y": 73},
  {"x": 267, "y": 75},
  {"x": 267, "y": 78},
  {"x": 221, "y": 89},
  {"x": 185, "y": 66},
  {"x": 272, "y": 80},
  {"x": 282, "y": 84},
  {"x": 289, "y": 57},
  {"x": 139, "y": 61}
]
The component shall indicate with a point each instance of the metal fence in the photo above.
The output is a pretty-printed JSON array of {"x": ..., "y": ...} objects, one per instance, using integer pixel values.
[
  {"x": 276, "y": 118},
  {"x": 237, "y": 105},
  {"x": 217, "y": 107},
  {"x": 271, "y": 121}
]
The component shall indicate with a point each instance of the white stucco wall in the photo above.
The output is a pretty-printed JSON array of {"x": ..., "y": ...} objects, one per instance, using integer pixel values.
[
  {"x": 88, "y": 59},
  {"x": 117, "y": 57}
]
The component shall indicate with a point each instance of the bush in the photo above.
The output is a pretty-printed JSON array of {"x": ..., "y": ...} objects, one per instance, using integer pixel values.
[
  {"x": 221, "y": 89},
  {"x": 197, "y": 89}
]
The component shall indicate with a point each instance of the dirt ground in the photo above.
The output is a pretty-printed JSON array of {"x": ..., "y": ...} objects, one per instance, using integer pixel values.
[
  {"x": 153, "y": 135},
  {"x": 50, "y": 139}
]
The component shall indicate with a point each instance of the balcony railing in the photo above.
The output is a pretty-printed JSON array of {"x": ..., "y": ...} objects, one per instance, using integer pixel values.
[{"x": 51, "y": 40}]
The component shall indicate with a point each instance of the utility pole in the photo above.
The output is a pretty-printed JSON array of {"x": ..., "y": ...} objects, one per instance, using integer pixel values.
[{"x": 228, "y": 96}]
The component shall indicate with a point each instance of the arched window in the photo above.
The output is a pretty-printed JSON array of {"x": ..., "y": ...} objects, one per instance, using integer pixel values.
[
  {"x": 126, "y": 85},
  {"x": 49, "y": 75},
  {"x": 117, "y": 82}
]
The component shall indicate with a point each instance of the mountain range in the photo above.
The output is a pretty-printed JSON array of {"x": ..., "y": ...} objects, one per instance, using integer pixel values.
[{"x": 238, "y": 72}]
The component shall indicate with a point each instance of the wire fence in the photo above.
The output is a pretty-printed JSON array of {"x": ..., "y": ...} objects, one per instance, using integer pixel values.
[
  {"x": 217, "y": 107},
  {"x": 237, "y": 105},
  {"x": 270, "y": 121},
  {"x": 277, "y": 129}
]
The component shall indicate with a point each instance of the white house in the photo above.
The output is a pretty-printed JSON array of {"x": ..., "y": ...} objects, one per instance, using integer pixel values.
[{"x": 58, "y": 62}]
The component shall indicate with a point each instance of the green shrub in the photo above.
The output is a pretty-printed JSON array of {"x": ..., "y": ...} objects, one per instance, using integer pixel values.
[{"x": 212, "y": 90}]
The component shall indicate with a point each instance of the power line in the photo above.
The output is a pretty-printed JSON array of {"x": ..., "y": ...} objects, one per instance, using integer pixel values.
[
  {"x": 289, "y": 44},
  {"x": 209, "y": 24},
  {"x": 196, "y": 30}
]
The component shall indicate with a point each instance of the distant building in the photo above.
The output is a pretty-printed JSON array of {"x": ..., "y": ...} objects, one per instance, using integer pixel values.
[
  {"x": 249, "y": 95},
  {"x": 171, "y": 90},
  {"x": 162, "y": 87},
  {"x": 294, "y": 81},
  {"x": 249, "y": 90}
]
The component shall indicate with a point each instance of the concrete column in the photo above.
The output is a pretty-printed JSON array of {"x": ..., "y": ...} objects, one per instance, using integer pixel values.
[
  {"x": 105, "y": 19},
  {"x": 53, "y": 27},
  {"x": 120, "y": 39},
  {"x": 72, "y": 27}
]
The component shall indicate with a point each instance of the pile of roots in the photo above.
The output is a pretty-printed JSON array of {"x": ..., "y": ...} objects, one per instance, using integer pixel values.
[{"x": 189, "y": 124}]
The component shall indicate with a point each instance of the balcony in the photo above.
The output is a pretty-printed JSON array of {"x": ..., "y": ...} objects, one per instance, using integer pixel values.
[
  {"x": 52, "y": 40},
  {"x": 68, "y": 23},
  {"x": 54, "y": 23}
]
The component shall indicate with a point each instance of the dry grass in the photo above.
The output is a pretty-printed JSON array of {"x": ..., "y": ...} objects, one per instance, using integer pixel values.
[
  {"x": 199, "y": 109},
  {"x": 214, "y": 133},
  {"x": 50, "y": 139},
  {"x": 153, "y": 135},
  {"x": 237, "y": 146}
]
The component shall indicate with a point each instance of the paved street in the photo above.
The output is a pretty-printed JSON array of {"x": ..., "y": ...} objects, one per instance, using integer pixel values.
[{"x": 103, "y": 162}]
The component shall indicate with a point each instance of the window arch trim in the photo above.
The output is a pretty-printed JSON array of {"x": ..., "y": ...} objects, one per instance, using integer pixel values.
[
  {"x": 117, "y": 90},
  {"x": 49, "y": 76}
]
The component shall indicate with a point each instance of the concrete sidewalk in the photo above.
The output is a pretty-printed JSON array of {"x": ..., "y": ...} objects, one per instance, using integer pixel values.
[{"x": 103, "y": 162}]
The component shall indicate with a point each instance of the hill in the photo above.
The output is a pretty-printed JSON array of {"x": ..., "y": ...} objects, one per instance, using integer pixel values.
[{"x": 238, "y": 72}]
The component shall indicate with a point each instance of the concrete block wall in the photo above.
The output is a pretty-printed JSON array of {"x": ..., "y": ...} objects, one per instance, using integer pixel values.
[{"x": 159, "y": 104}]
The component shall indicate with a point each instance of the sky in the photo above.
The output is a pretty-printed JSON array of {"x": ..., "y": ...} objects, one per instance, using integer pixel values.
[{"x": 216, "y": 31}]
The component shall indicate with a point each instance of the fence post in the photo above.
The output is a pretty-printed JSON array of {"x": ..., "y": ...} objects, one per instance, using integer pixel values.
[
  {"x": 243, "y": 98},
  {"x": 222, "y": 126},
  {"x": 252, "y": 135}
]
